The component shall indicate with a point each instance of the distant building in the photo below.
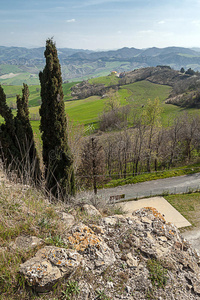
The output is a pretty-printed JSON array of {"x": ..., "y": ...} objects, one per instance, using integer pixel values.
[{"x": 114, "y": 72}]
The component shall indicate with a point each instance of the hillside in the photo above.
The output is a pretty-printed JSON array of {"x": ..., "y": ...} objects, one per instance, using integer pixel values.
[
  {"x": 86, "y": 111},
  {"x": 74, "y": 251},
  {"x": 23, "y": 65},
  {"x": 185, "y": 87},
  {"x": 134, "y": 89}
]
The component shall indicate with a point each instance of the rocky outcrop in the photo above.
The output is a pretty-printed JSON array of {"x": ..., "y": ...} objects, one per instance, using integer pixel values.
[
  {"x": 136, "y": 257},
  {"x": 85, "y": 89},
  {"x": 26, "y": 243},
  {"x": 91, "y": 210},
  {"x": 160, "y": 75},
  {"x": 49, "y": 265},
  {"x": 68, "y": 219}
]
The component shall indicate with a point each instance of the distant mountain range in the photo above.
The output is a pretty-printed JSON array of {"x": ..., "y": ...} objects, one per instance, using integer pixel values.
[{"x": 78, "y": 64}]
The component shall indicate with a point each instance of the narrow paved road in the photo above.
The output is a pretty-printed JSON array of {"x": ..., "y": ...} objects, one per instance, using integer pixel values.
[{"x": 173, "y": 185}]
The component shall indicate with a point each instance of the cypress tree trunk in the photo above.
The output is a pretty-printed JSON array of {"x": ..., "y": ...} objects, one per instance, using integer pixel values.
[{"x": 56, "y": 154}]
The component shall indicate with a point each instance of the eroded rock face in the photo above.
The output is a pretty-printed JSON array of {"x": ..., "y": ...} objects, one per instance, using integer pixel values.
[
  {"x": 115, "y": 255},
  {"x": 96, "y": 252},
  {"x": 48, "y": 266}
]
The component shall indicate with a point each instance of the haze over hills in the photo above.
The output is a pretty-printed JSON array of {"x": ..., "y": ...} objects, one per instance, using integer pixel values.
[{"x": 78, "y": 64}]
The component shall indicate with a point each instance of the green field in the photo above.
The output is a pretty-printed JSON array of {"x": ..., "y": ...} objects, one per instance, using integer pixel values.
[
  {"x": 86, "y": 111},
  {"x": 141, "y": 91},
  {"x": 6, "y": 69},
  {"x": 188, "y": 205},
  {"x": 21, "y": 77},
  {"x": 12, "y": 90},
  {"x": 34, "y": 99}
]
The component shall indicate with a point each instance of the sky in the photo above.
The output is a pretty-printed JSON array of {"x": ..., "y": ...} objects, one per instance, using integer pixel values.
[{"x": 100, "y": 24}]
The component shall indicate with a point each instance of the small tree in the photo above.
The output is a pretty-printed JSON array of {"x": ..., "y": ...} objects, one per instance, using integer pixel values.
[
  {"x": 112, "y": 103},
  {"x": 92, "y": 167},
  {"x": 151, "y": 117},
  {"x": 56, "y": 154},
  {"x": 190, "y": 72}
]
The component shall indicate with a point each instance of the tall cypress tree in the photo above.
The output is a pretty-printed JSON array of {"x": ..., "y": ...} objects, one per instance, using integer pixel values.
[
  {"x": 56, "y": 154},
  {"x": 24, "y": 137},
  {"x": 18, "y": 150},
  {"x": 7, "y": 132}
]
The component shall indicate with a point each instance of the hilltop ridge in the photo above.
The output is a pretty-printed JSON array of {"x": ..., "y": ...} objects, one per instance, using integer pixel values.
[{"x": 80, "y": 64}]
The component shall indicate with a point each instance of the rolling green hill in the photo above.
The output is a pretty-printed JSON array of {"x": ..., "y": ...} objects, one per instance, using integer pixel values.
[
  {"x": 19, "y": 78},
  {"x": 106, "y": 80},
  {"x": 86, "y": 111}
]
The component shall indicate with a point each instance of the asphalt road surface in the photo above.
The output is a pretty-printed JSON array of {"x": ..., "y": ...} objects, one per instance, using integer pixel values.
[{"x": 173, "y": 185}]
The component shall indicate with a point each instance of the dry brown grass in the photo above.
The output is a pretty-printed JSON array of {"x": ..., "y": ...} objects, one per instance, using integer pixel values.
[{"x": 24, "y": 211}]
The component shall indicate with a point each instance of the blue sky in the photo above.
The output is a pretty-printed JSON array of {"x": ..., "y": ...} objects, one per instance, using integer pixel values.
[{"x": 100, "y": 24}]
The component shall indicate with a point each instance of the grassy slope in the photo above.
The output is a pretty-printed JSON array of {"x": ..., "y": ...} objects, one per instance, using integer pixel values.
[
  {"x": 106, "y": 80},
  {"x": 22, "y": 77},
  {"x": 6, "y": 69},
  {"x": 12, "y": 90},
  {"x": 188, "y": 205},
  {"x": 86, "y": 111},
  {"x": 144, "y": 90}
]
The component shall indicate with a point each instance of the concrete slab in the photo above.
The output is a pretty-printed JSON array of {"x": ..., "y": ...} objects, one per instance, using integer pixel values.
[{"x": 167, "y": 210}]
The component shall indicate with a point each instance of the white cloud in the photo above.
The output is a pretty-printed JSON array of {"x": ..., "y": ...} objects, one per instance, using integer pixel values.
[
  {"x": 71, "y": 21},
  {"x": 196, "y": 22},
  {"x": 161, "y": 22},
  {"x": 146, "y": 31}
]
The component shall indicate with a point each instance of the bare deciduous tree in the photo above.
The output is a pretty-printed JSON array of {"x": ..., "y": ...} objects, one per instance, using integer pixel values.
[{"x": 92, "y": 166}]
